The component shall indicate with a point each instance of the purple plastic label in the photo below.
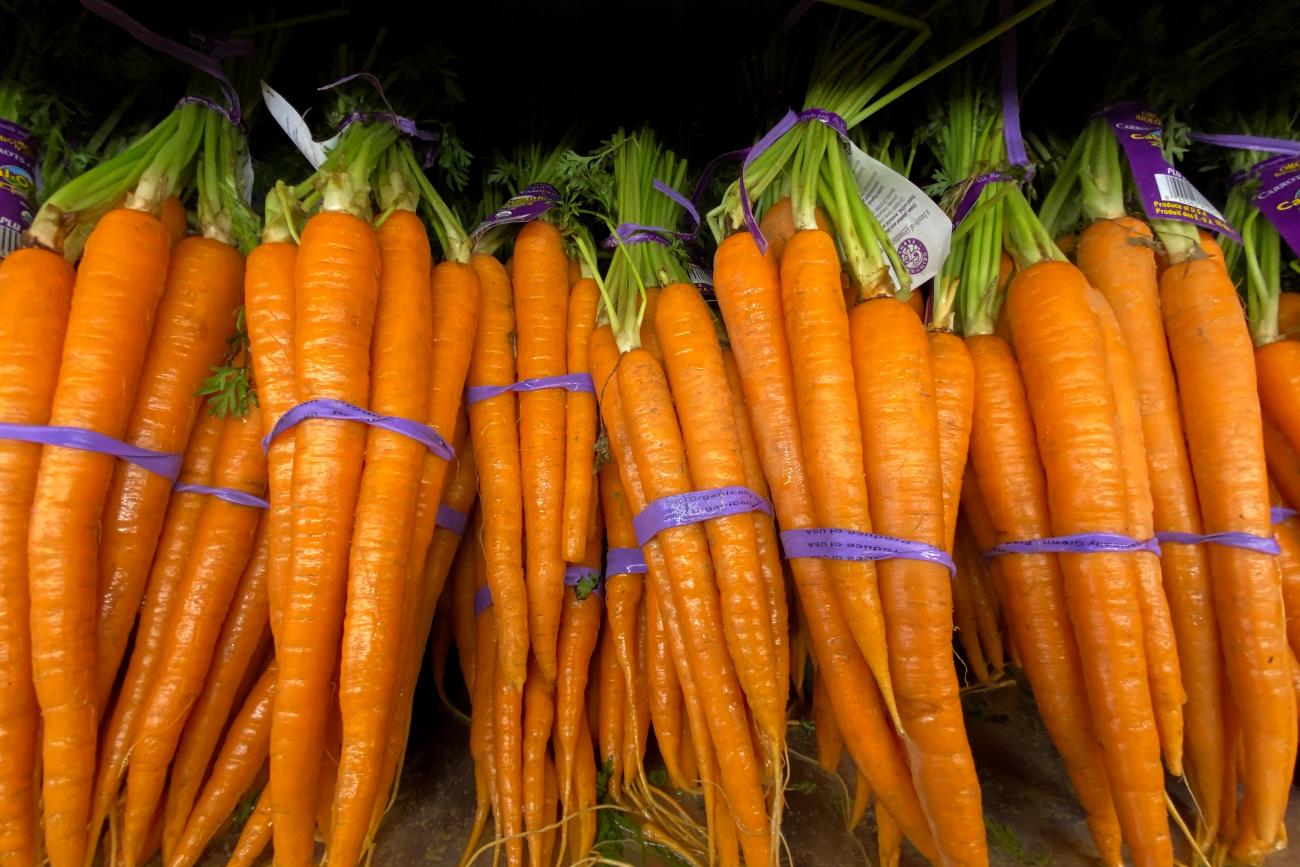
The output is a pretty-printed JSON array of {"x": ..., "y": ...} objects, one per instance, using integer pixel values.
[
  {"x": 829, "y": 543},
  {"x": 584, "y": 580},
  {"x": 973, "y": 191},
  {"x": 338, "y": 410},
  {"x": 230, "y": 495},
  {"x": 1278, "y": 198},
  {"x": 482, "y": 600},
  {"x": 693, "y": 507},
  {"x": 17, "y": 184},
  {"x": 451, "y": 519},
  {"x": 1230, "y": 539},
  {"x": 576, "y": 382},
  {"x": 1278, "y": 514},
  {"x": 1165, "y": 192},
  {"x": 624, "y": 561},
  {"x": 159, "y": 463},
  {"x": 529, "y": 204},
  {"x": 1076, "y": 543}
]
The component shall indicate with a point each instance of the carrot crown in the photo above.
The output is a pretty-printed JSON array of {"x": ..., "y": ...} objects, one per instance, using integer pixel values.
[
  {"x": 224, "y": 213},
  {"x": 1026, "y": 239}
]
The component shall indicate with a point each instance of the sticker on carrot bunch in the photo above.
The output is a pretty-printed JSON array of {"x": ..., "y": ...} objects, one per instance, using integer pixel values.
[
  {"x": 918, "y": 228},
  {"x": 1166, "y": 193},
  {"x": 1278, "y": 196},
  {"x": 17, "y": 184}
]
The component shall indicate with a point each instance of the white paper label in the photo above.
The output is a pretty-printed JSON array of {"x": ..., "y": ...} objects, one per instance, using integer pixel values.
[
  {"x": 919, "y": 230},
  {"x": 295, "y": 127},
  {"x": 1177, "y": 188}
]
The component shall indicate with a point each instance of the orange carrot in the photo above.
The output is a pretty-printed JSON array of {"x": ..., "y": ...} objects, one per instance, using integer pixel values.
[
  {"x": 384, "y": 524},
  {"x": 204, "y": 280},
  {"x": 539, "y": 715},
  {"x": 117, "y": 290},
  {"x": 494, "y": 427},
  {"x": 256, "y": 834},
  {"x": 580, "y": 422},
  {"x": 830, "y": 740},
  {"x": 35, "y": 297},
  {"x": 174, "y": 218},
  {"x": 624, "y": 607},
  {"x": 336, "y": 286},
  {"x": 541, "y": 292},
  {"x": 611, "y": 714},
  {"x": 1283, "y": 465},
  {"x": 223, "y": 543}
]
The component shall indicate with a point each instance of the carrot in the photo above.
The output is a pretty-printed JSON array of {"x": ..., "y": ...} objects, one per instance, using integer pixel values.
[
  {"x": 255, "y": 835},
  {"x": 481, "y": 724},
  {"x": 384, "y": 523},
  {"x": 580, "y": 422},
  {"x": 175, "y": 219},
  {"x": 605, "y": 362},
  {"x": 494, "y": 427},
  {"x": 269, "y": 307},
  {"x": 117, "y": 290},
  {"x": 987, "y": 620},
  {"x": 462, "y": 612},
  {"x": 749, "y": 292},
  {"x": 817, "y": 331},
  {"x": 35, "y": 297},
  {"x": 550, "y": 804},
  {"x": 697, "y": 376},
  {"x": 1116, "y": 257},
  {"x": 223, "y": 543},
  {"x": 861, "y": 800},
  {"x": 243, "y": 753},
  {"x": 440, "y": 648},
  {"x": 1288, "y": 315},
  {"x": 579, "y": 626},
  {"x": 954, "y": 376},
  {"x": 1283, "y": 465},
  {"x": 778, "y": 226},
  {"x": 905, "y": 491},
  {"x": 624, "y": 608},
  {"x": 830, "y": 741},
  {"x": 1289, "y": 565},
  {"x": 660, "y": 457},
  {"x": 1061, "y": 350},
  {"x": 174, "y": 546},
  {"x": 336, "y": 285},
  {"x": 889, "y": 837},
  {"x": 611, "y": 714},
  {"x": 648, "y": 335},
  {"x": 204, "y": 279},
  {"x": 769, "y": 550},
  {"x": 636, "y": 724},
  {"x": 1210, "y": 347},
  {"x": 327, "y": 784},
  {"x": 665, "y": 695},
  {"x": 541, "y": 291},
  {"x": 585, "y": 778},
  {"x": 241, "y": 638},
  {"x": 1167, "y": 695},
  {"x": 507, "y": 733},
  {"x": 963, "y": 613},
  {"x": 1277, "y": 367},
  {"x": 539, "y": 716},
  {"x": 1006, "y": 472}
]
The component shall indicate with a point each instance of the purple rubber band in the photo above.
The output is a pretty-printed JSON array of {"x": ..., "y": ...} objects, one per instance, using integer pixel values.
[
  {"x": 624, "y": 561},
  {"x": 1016, "y": 153},
  {"x": 482, "y": 600},
  {"x": 575, "y": 575},
  {"x": 452, "y": 519},
  {"x": 1229, "y": 539},
  {"x": 209, "y": 104},
  {"x": 230, "y": 495},
  {"x": 575, "y": 382},
  {"x": 197, "y": 59},
  {"x": 678, "y": 510},
  {"x": 697, "y": 193},
  {"x": 403, "y": 125},
  {"x": 1249, "y": 143},
  {"x": 325, "y": 407},
  {"x": 1076, "y": 543},
  {"x": 637, "y": 233},
  {"x": 829, "y": 543},
  {"x": 784, "y": 125},
  {"x": 523, "y": 207},
  {"x": 1278, "y": 514},
  {"x": 163, "y": 464},
  {"x": 972, "y": 195}
]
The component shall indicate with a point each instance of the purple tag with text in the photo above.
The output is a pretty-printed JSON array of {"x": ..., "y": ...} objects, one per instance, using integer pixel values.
[
  {"x": 829, "y": 543},
  {"x": 17, "y": 184},
  {"x": 524, "y": 207},
  {"x": 1278, "y": 514},
  {"x": 1278, "y": 197},
  {"x": 1230, "y": 539},
  {"x": 338, "y": 410},
  {"x": 159, "y": 463},
  {"x": 1165, "y": 192},
  {"x": 1076, "y": 543},
  {"x": 482, "y": 600},
  {"x": 693, "y": 507},
  {"x": 577, "y": 382},
  {"x": 230, "y": 495},
  {"x": 624, "y": 561},
  {"x": 451, "y": 519}
]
